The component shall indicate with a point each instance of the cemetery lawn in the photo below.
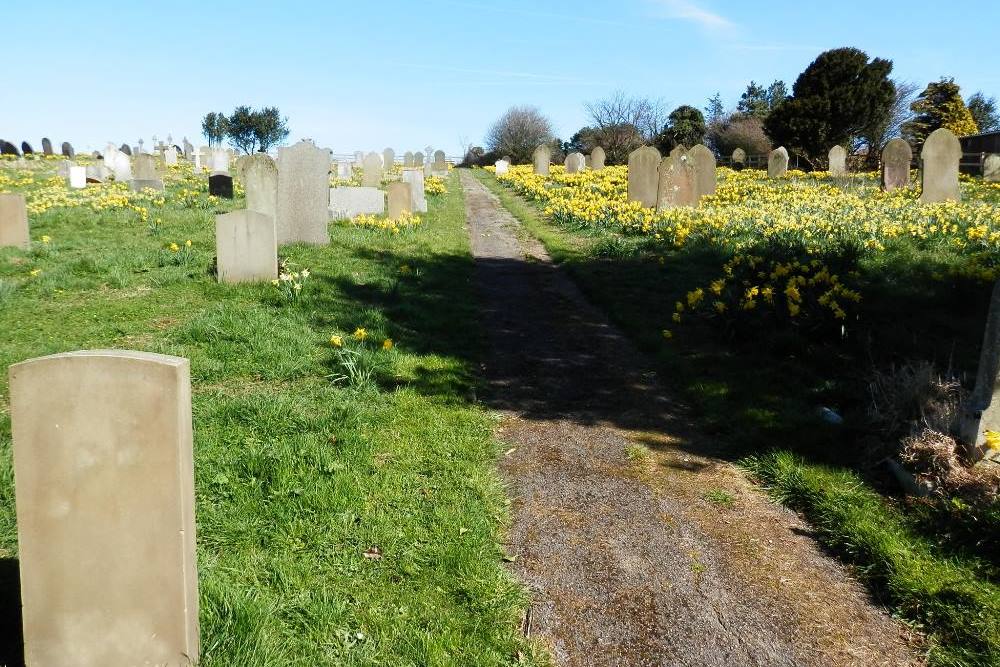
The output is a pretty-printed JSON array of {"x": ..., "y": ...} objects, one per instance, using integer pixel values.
[
  {"x": 758, "y": 395},
  {"x": 348, "y": 506}
]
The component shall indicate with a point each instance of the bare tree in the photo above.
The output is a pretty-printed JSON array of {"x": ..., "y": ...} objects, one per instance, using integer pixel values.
[
  {"x": 877, "y": 136},
  {"x": 518, "y": 133},
  {"x": 623, "y": 123}
]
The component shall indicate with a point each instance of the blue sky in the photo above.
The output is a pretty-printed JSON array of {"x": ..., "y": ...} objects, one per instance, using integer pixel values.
[{"x": 365, "y": 75}]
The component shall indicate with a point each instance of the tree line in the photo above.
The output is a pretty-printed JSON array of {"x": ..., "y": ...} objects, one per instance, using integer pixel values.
[
  {"x": 248, "y": 130},
  {"x": 843, "y": 97}
]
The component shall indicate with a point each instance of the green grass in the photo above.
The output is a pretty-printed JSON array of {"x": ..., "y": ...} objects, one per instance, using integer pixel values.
[
  {"x": 933, "y": 564},
  {"x": 297, "y": 477}
]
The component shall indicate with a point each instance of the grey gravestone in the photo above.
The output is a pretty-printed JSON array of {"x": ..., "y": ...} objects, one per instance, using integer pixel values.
[
  {"x": 259, "y": 174},
  {"x": 14, "y": 222},
  {"x": 95, "y": 174},
  {"x": 675, "y": 183},
  {"x": 105, "y": 508},
  {"x": 220, "y": 185},
  {"x": 400, "y": 200},
  {"x": 597, "y": 158},
  {"x": 144, "y": 174},
  {"x": 701, "y": 161},
  {"x": 541, "y": 159},
  {"x": 896, "y": 158},
  {"x": 440, "y": 167},
  {"x": 246, "y": 249},
  {"x": 739, "y": 158},
  {"x": 418, "y": 159},
  {"x": 777, "y": 162},
  {"x": 428, "y": 169},
  {"x": 62, "y": 169},
  {"x": 46, "y": 146},
  {"x": 408, "y": 159},
  {"x": 371, "y": 176},
  {"x": 939, "y": 161},
  {"x": 574, "y": 163},
  {"x": 170, "y": 155},
  {"x": 587, "y": 162},
  {"x": 347, "y": 202},
  {"x": 303, "y": 194},
  {"x": 125, "y": 148},
  {"x": 991, "y": 168},
  {"x": 67, "y": 150},
  {"x": 415, "y": 178},
  {"x": 643, "y": 164},
  {"x": 838, "y": 161},
  {"x": 388, "y": 158},
  {"x": 26, "y": 148}
]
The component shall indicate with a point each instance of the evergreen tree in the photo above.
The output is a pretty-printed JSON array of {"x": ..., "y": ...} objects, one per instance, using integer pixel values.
[
  {"x": 685, "y": 127},
  {"x": 940, "y": 105},
  {"x": 715, "y": 112},
  {"x": 984, "y": 112},
  {"x": 754, "y": 101}
]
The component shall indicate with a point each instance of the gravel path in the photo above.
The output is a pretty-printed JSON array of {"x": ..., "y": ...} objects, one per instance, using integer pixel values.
[{"x": 627, "y": 561}]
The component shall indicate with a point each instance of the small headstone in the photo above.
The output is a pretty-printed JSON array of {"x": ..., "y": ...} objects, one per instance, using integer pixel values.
[
  {"x": 371, "y": 176},
  {"x": 144, "y": 173},
  {"x": 643, "y": 166},
  {"x": 359, "y": 157},
  {"x": 26, "y": 148},
  {"x": 259, "y": 174},
  {"x": 220, "y": 185},
  {"x": 701, "y": 161},
  {"x": 245, "y": 247},
  {"x": 415, "y": 178},
  {"x": 46, "y": 146},
  {"x": 347, "y": 202},
  {"x": 14, "y": 222},
  {"x": 67, "y": 150},
  {"x": 303, "y": 194},
  {"x": 170, "y": 155},
  {"x": 95, "y": 174},
  {"x": 220, "y": 162},
  {"x": 574, "y": 163},
  {"x": 739, "y": 158},
  {"x": 939, "y": 160},
  {"x": 991, "y": 168},
  {"x": 587, "y": 161},
  {"x": 77, "y": 176},
  {"x": 418, "y": 159},
  {"x": 440, "y": 167},
  {"x": 62, "y": 169},
  {"x": 400, "y": 200},
  {"x": 675, "y": 183},
  {"x": 777, "y": 162},
  {"x": 541, "y": 159},
  {"x": 838, "y": 161},
  {"x": 408, "y": 159},
  {"x": 597, "y": 158},
  {"x": 502, "y": 166},
  {"x": 388, "y": 158},
  {"x": 104, "y": 492},
  {"x": 125, "y": 148},
  {"x": 896, "y": 158}
]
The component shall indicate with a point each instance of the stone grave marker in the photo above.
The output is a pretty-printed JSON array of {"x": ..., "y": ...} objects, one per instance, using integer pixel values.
[
  {"x": 501, "y": 166},
  {"x": 246, "y": 247},
  {"x": 701, "y": 161},
  {"x": 14, "y": 222},
  {"x": 400, "y": 199},
  {"x": 418, "y": 159},
  {"x": 170, "y": 155},
  {"x": 991, "y": 168},
  {"x": 643, "y": 166},
  {"x": 347, "y": 201},
  {"x": 541, "y": 159},
  {"x": 62, "y": 169},
  {"x": 344, "y": 171},
  {"x": 26, "y": 148},
  {"x": 77, "y": 176},
  {"x": 371, "y": 176},
  {"x": 388, "y": 158},
  {"x": 597, "y": 158},
  {"x": 838, "y": 161},
  {"x": 415, "y": 178},
  {"x": 777, "y": 162},
  {"x": 428, "y": 169},
  {"x": 303, "y": 194},
  {"x": 980, "y": 412},
  {"x": 408, "y": 159},
  {"x": 145, "y": 174},
  {"x": 678, "y": 151},
  {"x": 7, "y": 148},
  {"x": 896, "y": 158},
  {"x": 259, "y": 174},
  {"x": 220, "y": 185},
  {"x": 939, "y": 160},
  {"x": 104, "y": 492},
  {"x": 739, "y": 159},
  {"x": 675, "y": 183},
  {"x": 119, "y": 163},
  {"x": 220, "y": 162},
  {"x": 125, "y": 148},
  {"x": 574, "y": 163},
  {"x": 440, "y": 167},
  {"x": 46, "y": 146},
  {"x": 67, "y": 150},
  {"x": 188, "y": 148}
]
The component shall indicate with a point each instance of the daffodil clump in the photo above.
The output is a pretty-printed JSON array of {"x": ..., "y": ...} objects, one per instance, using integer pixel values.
[
  {"x": 434, "y": 186},
  {"x": 392, "y": 225},
  {"x": 359, "y": 356},
  {"x": 289, "y": 282}
]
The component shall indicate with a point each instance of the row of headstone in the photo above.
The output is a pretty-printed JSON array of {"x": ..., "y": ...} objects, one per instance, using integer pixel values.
[
  {"x": 7, "y": 148},
  {"x": 576, "y": 162},
  {"x": 681, "y": 178}
]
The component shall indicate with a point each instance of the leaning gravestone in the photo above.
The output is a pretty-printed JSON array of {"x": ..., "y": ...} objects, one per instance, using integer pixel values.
[
  {"x": 46, "y": 146},
  {"x": 371, "y": 176},
  {"x": 541, "y": 159},
  {"x": 980, "y": 412},
  {"x": 259, "y": 174},
  {"x": 245, "y": 247},
  {"x": 701, "y": 161},
  {"x": 501, "y": 166},
  {"x": 597, "y": 158},
  {"x": 399, "y": 199},
  {"x": 67, "y": 150},
  {"x": 408, "y": 159},
  {"x": 991, "y": 168},
  {"x": 303, "y": 194},
  {"x": 939, "y": 160},
  {"x": 643, "y": 164},
  {"x": 838, "y": 161},
  {"x": 675, "y": 183},
  {"x": 220, "y": 185},
  {"x": 144, "y": 174},
  {"x": 440, "y": 167},
  {"x": 574, "y": 163},
  {"x": 739, "y": 158},
  {"x": 415, "y": 178},
  {"x": 388, "y": 158},
  {"x": 104, "y": 487},
  {"x": 896, "y": 158},
  {"x": 14, "y": 222},
  {"x": 347, "y": 202},
  {"x": 777, "y": 162}
]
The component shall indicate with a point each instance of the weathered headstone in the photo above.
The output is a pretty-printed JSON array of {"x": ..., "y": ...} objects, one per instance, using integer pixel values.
[
  {"x": 399, "y": 199},
  {"x": 501, "y": 166},
  {"x": 739, "y": 158},
  {"x": 245, "y": 247},
  {"x": 188, "y": 148},
  {"x": 896, "y": 158},
  {"x": 303, "y": 194},
  {"x": 67, "y": 150},
  {"x": 838, "y": 161},
  {"x": 388, "y": 158},
  {"x": 347, "y": 202},
  {"x": 408, "y": 159},
  {"x": 77, "y": 176},
  {"x": 96, "y": 172},
  {"x": 777, "y": 162},
  {"x": 170, "y": 155},
  {"x": 980, "y": 412},
  {"x": 371, "y": 176},
  {"x": 418, "y": 199},
  {"x": 643, "y": 164},
  {"x": 259, "y": 174},
  {"x": 574, "y": 163},
  {"x": 701, "y": 161},
  {"x": 46, "y": 146},
  {"x": 597, "y": 158},
  {"x": 62, "y": 169},
  {"x": 939, "y": 160},
  {"x": 418, "y": 159},
  {"x": 220, "y": 162},
  {"x": 675, "y": 183},
  {"x": 428, "y": 169},
  {"x": 991, "y": 168},
  {"x": 541, "y": 159},
  {"x": 220, "y": 185},
  {"x": 344, "y": 171},
  {"x": 440, "y": 167},
  {"x": 145, "y": 174},
  {"x": 104, "y": 486},
  {"x": 680, "y": 150},
  {"x": 14, "y": 222}
]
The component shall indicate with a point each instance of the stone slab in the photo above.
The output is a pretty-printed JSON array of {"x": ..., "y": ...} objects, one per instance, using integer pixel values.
[
  {"x": 246, "y": 247},
  {"x": 347, "y": 202},
  {"x": 14, "y": 222}
]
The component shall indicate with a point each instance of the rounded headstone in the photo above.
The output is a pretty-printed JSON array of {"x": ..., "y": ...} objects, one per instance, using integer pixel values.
[
  {"x": 896, "y": 158},
  {"x": 939, "y": 162},
  {"x": 643, "y": 167}
]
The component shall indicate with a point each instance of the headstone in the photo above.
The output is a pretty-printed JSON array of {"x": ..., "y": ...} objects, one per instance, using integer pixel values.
[
  {"x": 77, "y": 176},
  {"x": 678, "y": 151},
  {"x": 344, "y": 171},
  {"x": 62, "y": 169},
  {"x": 170, "y": 155},
  {"x": 415, "y": 178},
  {"x": 188, "y": 148},
  {"x": 259, "y": 174},
  {"x": 7, "y": 148},
  {"x": 95, "y": 173},
  {"x": 119, "y": 163},
  {"x": 896, "y": 158},
  {"x": 991, "y": 168},
  {"x": 144, "y": 173},
  {"x": 701, "y": 161},
  {"x": 428, "y": 169},
  {"x": 46, "y": 146},
  {"x": 104, "y": 491},
  {"x": 597, "y": 158},
  {"x": 838, "y": 161},
  {"x": 777, "y": 162},
  {"x": 643, "y": 165},
  {"x": 939, "y": 160},
  {"x": 371, "y": 176},
  {"x": 220, "y": 185},
  {"x": 587, "y": 161},
  {"x": 440, "y": 167},
  {"x": 418, "y": 159},
  {"x": 347, "y": 202},
  {"x": 541, "y": 159},
  {"x": 388, "y": 158},
  {"x": 26, "y": 148},
  {"x": 980, "y": 412},
  {"x": 502, "y": 166},
  {"x": 246, "y": 247},
  {"x": 675, "y": 183},
  {"x": 408, "y": 159},
  {"x": 67, "y": 150},
  {"x": 739, "y": 158},
  {"x": 400, "y": 200},
  {"x": 220, "y": 162},
  {"x": 14, "y": 222},
  {"x": 574, "y": 163},
  {"x": 303, "y": 194},
  {"x": 125, "y": 148}
]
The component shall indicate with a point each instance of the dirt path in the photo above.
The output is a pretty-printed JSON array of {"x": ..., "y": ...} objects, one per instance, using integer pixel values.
[{"x": 627, "y": 561}]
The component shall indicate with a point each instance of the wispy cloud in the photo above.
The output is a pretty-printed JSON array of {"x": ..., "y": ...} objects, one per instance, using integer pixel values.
[
  {"x": 687, "y": 10},
  {"x": 492, "y": 77}
]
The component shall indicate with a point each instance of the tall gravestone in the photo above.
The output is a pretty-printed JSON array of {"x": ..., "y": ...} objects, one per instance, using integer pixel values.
[
  {"x": 675, "y": 183},
  {"x": 259, "y": 174},
  {"x": 981, "y": 410},
  {"x": 46, "y": 146},
  {"x": 14, "y": 222},
  {"x": 428, "y": 168},
  {"x": 643, "y": 166},
  {"x": 991, "y": 168},
  {"x": 188, "y": 148},
  {"x": 739, "y": 158},
  {"x": 777, "y": 162},
  {"x": 541, "y": 159},
  {"x": 415, "y": 178},
  {"x": 597, "y": 158},
  {"x": 838, "y": 161},
  {"x": 67, "y": 150},
  {"x": 303, "y": 194},
  {"x": 701, "y": 161},
  {"x": 574, "y": 163},
  {"x": 388, "y": 158},
  {"x": 104, "y": 485},
  {"x": 371, "y": 176},
  {"x": 939, "y": 160},
  {"x": 896, "y": 158},
  {"x": 170, "y": 155},
  {"x": 399, "y": 199},
  {"x": 246, "y": 247}
]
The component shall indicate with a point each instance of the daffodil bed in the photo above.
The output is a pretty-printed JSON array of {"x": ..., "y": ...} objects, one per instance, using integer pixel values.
[{"x": 348, "y": 508}]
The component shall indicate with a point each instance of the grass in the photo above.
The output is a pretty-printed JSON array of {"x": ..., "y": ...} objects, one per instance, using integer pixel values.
[
  {"x": 338, "y": 523},
  {"x": 759, "y": 396}
]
